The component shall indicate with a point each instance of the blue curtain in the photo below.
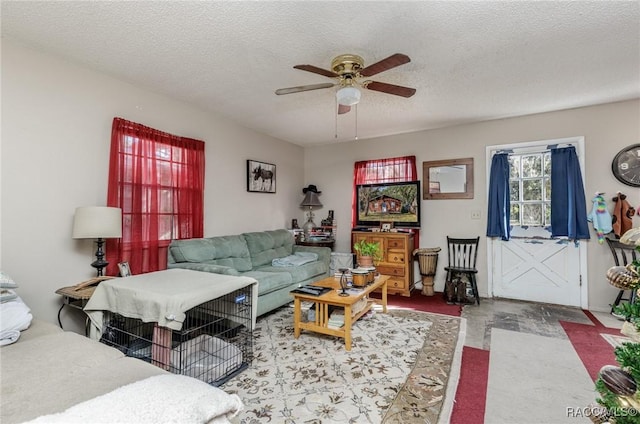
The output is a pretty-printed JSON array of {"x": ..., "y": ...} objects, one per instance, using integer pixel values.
[
  {"x": 499, "y": 212},
  {"x": 568, "y": 203}
]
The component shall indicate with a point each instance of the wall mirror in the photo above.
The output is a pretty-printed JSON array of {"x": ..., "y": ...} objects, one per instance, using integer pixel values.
[{"x": 448, "y": 179}]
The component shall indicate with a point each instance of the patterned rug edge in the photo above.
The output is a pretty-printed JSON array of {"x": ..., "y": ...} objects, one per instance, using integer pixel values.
[
  {"x": 454, "y": 375},
  {"x": 428, "y": 394}
]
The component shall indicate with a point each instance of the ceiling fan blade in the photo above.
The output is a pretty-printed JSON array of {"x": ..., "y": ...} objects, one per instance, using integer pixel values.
[
  {"x": 383, "y": 87},
  {"x": 385, "y": 64},
  {"x": 342, "y": 109},
  {"x": 301, "y": 88},
  {"x": 316, "y": 70}
]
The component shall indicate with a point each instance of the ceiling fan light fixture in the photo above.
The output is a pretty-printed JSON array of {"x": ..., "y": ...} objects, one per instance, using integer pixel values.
[{"x": 348, "y": 96}]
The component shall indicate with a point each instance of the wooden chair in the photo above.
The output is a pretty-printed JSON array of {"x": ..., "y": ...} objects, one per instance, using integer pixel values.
[
  {"x": 463, "y": 254},
  {"x": 623, "y": 254}
]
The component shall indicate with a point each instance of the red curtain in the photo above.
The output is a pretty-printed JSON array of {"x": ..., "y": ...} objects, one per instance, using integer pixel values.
[
  {"x": 383, "y": 171},
  {"x": 158, "y": 180}
]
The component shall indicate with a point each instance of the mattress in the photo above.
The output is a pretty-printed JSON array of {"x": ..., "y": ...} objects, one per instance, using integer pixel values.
[{"x": 49, "y": 370}]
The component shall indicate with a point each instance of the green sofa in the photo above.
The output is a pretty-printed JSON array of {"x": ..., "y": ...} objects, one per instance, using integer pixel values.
[{"x": 251, "y": 255}]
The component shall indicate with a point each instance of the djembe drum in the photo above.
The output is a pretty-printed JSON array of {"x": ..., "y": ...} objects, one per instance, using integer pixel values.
[{"x": 428, "y": 262}]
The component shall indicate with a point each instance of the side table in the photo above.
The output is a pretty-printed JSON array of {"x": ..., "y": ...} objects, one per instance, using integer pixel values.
[
  {"x": 317, "y": 243},
  {"x": 75, "y": 298}
]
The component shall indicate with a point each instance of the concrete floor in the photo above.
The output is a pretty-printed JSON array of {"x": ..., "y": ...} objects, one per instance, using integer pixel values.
[
  {"x": 527, "y": 317},
  {"x": 535, "y": 374}
]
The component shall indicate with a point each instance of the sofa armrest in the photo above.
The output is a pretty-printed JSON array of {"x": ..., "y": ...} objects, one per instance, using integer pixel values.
[
  {"x": 324, "y": 253},
  {"x": 213, "y": 268}
]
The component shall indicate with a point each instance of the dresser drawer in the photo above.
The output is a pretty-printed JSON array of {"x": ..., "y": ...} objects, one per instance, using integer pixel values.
[
  {"x": 395, "y": 257},
  {"x": 390, "y": 270},
  {"x": 392, "y": 283},
  {"x": 395, "y": 243}
]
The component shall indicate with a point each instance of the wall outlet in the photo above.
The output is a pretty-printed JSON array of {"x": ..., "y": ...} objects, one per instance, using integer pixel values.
[{"x": 475, "y": 214}]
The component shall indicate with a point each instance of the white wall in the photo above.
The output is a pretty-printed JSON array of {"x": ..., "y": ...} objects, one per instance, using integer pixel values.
[
  {"x": 56, "y": 130},
  {"x": 607, "y": 129},
  {"x": 56, "y": 124}
]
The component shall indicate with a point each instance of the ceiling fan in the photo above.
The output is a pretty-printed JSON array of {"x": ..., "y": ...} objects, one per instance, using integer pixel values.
[{"x": 348, "y": 69}]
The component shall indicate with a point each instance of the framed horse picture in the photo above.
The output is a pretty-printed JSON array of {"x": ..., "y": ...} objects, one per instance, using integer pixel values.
[{"x": 261, "y": 177}]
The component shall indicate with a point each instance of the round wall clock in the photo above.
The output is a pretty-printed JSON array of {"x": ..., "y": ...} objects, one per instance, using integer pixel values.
[{"x": 626, "y": 165}]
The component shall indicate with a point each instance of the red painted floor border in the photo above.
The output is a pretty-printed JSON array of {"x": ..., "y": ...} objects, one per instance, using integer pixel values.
[
  {"x": 594, "y": 351},
  {"x": 471, "y": 396}
]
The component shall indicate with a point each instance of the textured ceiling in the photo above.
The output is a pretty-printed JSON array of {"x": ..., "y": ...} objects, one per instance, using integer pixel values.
[{"x": 470, "y": 61}]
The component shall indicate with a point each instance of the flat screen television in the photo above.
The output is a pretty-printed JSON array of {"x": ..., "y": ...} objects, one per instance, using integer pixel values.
[{"x": 389, "y": 202}]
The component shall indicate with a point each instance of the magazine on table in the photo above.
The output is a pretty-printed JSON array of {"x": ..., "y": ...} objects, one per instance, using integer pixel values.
[{"x": 311, "y": 290}]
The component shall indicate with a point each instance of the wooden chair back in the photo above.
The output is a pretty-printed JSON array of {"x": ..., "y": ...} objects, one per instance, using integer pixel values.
[
  {"x": 463, "y": 252},
  {"x": 623, "y": 254}
]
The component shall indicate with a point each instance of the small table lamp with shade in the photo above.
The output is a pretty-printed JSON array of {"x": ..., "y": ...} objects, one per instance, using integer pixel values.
[
  {"x": 310, "y": 201},
  {"x": 97, "y": 222}
]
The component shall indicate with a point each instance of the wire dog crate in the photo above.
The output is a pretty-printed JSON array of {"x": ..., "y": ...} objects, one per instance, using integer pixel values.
[{"x": 215, "y": 343}]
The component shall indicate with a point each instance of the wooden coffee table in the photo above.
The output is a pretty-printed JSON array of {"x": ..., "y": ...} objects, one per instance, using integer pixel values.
[{"x": 332, "y": 298}]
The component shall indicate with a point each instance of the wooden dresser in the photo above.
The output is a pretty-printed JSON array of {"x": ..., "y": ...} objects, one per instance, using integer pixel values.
[{"x": 397, "y": 259}]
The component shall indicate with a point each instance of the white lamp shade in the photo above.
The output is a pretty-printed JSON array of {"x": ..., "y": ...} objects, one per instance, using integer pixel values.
[
  {"x": 348, "y": 96},
  {"x": 97, "y": 222}
]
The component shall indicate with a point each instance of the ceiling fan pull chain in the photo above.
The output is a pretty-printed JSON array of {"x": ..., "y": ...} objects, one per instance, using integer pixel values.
[
  {"x": 336, "y": 116},
  {"x": 356, "y": 121}
]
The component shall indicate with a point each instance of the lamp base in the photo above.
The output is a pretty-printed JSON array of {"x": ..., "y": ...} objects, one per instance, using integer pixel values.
[
  {"x": 99, "y": 264},
  {"x": 308, "y": 226}
]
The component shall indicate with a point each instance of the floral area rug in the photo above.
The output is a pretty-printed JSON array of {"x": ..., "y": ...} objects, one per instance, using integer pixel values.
[{"x": 397, "y": 371}]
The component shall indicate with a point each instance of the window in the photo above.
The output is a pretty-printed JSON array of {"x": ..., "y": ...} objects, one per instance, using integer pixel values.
[
  {"x": 385, "y": 170},
  {"x": 536, "y": 186},
  {"x": 530, "y": 189},
  {"x": 158, "y": 181}
]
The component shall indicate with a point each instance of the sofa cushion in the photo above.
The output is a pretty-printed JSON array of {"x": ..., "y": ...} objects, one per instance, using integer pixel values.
[
  {"x": 265, "y": 246},
  {"x": 299, "y": 273},
  {"x": 232, "y": 251},
  {"x": 229, "y": 251},
  {"x": 205, "y": 267},
  {"x": 192, "y": 250},
  {"x": 269, "y": 281}
]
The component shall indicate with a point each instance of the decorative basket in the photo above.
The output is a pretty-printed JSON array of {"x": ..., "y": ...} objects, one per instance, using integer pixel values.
[{"x": 623, "y": 278}]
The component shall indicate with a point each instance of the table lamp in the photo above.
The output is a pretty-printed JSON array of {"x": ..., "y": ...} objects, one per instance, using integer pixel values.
[
  {"x": 310, "y": 201},
  {"x": 97, "y": 222}
]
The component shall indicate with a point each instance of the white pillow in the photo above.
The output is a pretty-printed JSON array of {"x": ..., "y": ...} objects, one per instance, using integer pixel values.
[
  {"x": 7, "y": 282},
  {"x": 6, "y": 295}
]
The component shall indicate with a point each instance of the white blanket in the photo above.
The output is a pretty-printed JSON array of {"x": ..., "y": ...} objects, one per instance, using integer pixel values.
[
  {"x": 297, "y": 259},
  {"x": 159, "y": 399},
  {"x": 161, "y": 296},
  {"x": 15, "y": 316},
  {"x": 9, "y": 336}
]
